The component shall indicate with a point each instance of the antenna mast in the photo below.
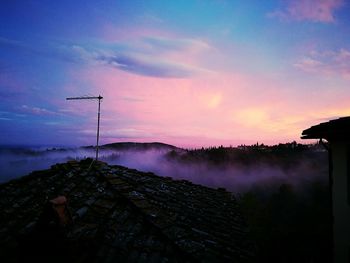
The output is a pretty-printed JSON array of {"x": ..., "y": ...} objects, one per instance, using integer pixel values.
[{"x": 99, "y": 98}]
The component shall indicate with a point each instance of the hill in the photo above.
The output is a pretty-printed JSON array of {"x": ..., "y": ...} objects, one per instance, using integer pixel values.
[{"x": 142, "y": 146}]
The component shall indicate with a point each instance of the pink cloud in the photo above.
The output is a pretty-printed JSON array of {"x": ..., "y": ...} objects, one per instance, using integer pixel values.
[
  {"x": 328, "y": 63},
  {"x": 316, "y": 11}
]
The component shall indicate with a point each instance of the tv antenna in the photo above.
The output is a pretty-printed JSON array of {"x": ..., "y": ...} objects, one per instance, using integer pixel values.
[{"x": 99, "y": 98}]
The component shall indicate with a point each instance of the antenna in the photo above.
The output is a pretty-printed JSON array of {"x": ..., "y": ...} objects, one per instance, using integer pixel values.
[{"x": 99, "y": 98}]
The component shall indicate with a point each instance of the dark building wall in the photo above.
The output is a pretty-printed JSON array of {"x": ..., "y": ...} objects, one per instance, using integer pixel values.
[{"x": 341, "y": 207}]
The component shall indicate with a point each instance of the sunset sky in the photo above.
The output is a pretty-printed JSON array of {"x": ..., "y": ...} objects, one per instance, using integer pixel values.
[{"x": 188, "y": 73}]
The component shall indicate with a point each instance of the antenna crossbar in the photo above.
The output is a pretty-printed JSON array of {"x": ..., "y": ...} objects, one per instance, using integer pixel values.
[
  {"x": 99, "y": 98},
  {"x": 85, "y": 98}
]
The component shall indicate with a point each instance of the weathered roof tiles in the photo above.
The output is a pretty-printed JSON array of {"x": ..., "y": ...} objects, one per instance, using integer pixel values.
[{"x": 126, "y": 215}]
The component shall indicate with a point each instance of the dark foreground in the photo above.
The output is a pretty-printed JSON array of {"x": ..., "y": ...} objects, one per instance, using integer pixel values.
[{"x": 114, "y": 214}]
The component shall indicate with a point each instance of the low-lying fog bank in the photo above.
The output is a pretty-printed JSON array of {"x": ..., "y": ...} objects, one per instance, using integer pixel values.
[{"x": 235, "y": 175}]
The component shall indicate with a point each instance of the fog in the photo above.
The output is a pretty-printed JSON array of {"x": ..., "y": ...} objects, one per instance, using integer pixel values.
[
  {"x": 236, "y": 178},
  {"x": 16, "y": 162},
  {"x": 19, "y": 161}
]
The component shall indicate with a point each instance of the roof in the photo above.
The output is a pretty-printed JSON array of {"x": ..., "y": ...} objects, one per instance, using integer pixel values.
[
  {"x": 338, "y": 129},
  {"x": 124, "y": 215}
]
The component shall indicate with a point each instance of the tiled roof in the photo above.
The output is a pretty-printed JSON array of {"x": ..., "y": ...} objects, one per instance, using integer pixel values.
[
  {"x": 123, "y": 215},
  {"x": 338, "y": 129}
]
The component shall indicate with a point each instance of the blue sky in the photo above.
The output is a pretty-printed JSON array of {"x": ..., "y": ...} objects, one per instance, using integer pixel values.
[{"x": 190, "y": 73}]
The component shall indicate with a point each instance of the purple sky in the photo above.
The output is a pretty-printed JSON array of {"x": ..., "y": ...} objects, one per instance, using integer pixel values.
[{"x": 189, "y": 73}]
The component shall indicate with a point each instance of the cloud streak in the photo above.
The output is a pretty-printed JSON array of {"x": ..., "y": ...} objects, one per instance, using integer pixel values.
[
  {"x": 330, "y": 63},
  {"x": 37, "y": 110},
  {"x": 147, "y": 56},
  {"x": 167, "y": 44},
  {"x": 148, "y": 66}
]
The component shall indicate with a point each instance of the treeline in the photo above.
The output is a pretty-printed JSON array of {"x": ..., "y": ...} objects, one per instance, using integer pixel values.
[
  {"x": 289, "y": 223},
  {"x": 285, "y": 155}
]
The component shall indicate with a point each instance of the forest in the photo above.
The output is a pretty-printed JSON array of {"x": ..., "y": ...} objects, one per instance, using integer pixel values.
[{"x": 289, "y": 222}]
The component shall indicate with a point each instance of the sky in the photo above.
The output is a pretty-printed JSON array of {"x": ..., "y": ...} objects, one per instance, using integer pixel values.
[{"x": 191, "y": 73}]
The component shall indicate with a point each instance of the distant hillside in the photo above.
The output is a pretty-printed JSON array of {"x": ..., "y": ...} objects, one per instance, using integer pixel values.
[{"x": 139, "y": 146}]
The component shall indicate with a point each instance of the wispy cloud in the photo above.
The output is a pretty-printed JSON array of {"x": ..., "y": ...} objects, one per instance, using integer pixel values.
[
  {"x": 43, "y": 48},
  {"x": 5, "y": 42},
  {"x": 327, "y": 63},
  {"x": 6, "y": 115},
  {"x": 37, "y": 110},
  {"x": 310, "y": 10},
  {"x": 149, "y": 66},
  {"x": 132, "y": 99},
  {"x": 168, "y": 44},
  {"x": 147, "y": 56}
]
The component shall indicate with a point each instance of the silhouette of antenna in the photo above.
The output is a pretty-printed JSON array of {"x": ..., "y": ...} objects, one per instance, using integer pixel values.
[{"x": 99, "y": 98}]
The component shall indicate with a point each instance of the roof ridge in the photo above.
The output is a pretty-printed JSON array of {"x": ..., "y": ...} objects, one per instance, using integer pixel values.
[{"x": 150, "y": 214}]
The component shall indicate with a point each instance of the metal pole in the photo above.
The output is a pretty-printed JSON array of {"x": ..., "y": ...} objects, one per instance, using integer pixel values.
[
  {"x": 98, "y": 125},
  {"x": 98, "y": 116}
]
